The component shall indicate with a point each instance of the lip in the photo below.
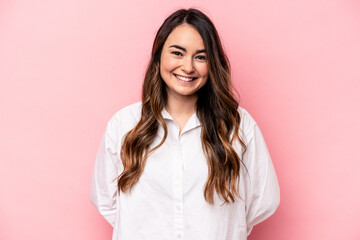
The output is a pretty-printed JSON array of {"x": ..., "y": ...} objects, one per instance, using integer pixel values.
[
  {"x": 184, "y": 76},
  {"x": 185, "y": 82}
]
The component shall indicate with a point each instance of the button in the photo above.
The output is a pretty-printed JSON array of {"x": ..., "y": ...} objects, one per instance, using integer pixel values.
[
  {"x": 178, "y": 207},
  {"x": 177, "y": 176},
  {"x": 179, "y": 236}
]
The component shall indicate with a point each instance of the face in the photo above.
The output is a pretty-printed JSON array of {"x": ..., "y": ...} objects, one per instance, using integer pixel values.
[{"x": 183, "y": 64}]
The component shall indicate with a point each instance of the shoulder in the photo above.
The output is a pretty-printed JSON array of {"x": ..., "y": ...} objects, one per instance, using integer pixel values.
[
  {"x": 130, "y": 112},
  {"x": 249, "y": 129},
  {"x": 247, "y": 122},
  {"x": 124, "y": 119}
]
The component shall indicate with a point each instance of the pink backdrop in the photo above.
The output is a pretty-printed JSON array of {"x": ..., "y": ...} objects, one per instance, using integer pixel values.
[{"x": 67, "y": 66}]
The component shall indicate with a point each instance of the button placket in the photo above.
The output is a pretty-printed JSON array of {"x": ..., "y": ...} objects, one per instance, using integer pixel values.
[{"x": 178, "y": 189}]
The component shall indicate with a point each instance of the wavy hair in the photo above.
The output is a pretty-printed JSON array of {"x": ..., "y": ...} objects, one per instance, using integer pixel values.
[{"x": 216, "y": 109}]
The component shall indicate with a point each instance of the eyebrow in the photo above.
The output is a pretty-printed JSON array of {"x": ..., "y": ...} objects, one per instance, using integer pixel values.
[{"x": 181, "y": 48}]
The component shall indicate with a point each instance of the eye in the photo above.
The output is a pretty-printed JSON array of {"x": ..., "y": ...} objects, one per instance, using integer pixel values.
[
  {"x": 201, "y": 57},
  {"x": 176, "y": 53}
]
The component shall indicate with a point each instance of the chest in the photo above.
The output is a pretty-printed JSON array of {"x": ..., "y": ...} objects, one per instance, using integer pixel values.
[{"x": 179, "y": 162}]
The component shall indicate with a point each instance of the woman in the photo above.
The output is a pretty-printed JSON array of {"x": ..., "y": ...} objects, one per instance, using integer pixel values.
[{"x": 186, "y": 162}]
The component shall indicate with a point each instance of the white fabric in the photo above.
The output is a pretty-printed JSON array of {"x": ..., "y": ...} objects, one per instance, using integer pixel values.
[{"x": 168, "y": 201}]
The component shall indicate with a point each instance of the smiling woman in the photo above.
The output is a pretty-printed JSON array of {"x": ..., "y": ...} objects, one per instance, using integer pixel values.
[{"x": 187, "y": 162}]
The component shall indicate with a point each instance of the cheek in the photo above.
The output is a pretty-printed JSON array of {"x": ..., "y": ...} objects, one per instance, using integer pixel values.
[
  {"x": 203, "y": 70},
  {"x": 168, "y": 63},
  {"x": 171, "y": 64}
]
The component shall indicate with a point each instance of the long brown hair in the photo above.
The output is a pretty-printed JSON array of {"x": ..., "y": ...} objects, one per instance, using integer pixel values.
[{"x": 216, "y": 109}]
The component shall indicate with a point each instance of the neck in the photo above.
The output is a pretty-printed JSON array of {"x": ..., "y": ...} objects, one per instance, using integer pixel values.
[
  {"x": 181, "y": 108},
  {"x": 181, "y": 105}
]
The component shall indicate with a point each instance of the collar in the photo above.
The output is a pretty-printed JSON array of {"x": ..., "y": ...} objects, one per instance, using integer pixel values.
[
  {"x": 166, "y": 115},
  {"x": 192, "y": 123}
]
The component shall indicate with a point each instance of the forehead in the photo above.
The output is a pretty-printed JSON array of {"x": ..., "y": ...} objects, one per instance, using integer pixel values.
[{"x": 186, "y": 36}]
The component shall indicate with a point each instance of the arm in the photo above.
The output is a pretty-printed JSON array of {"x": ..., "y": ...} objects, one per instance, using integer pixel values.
[
  {"x": 103, "y": 188},
  {"x": 262, "y": 188}
]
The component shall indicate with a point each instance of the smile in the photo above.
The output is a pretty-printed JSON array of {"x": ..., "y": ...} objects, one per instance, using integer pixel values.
[{"x": 185, "y": 79}]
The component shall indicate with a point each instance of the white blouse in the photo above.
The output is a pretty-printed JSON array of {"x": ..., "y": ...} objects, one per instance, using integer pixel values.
[{"x": 168, "y": 200}]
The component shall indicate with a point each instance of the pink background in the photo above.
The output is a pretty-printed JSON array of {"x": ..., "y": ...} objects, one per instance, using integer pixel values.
[{"x": 67, "y": 66}]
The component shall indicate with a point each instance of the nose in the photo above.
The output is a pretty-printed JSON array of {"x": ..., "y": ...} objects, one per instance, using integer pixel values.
[{"x": 187, "y": 65}]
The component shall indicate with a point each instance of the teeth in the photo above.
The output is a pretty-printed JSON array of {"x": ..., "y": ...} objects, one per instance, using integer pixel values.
[{"x": 184, "y": 78}]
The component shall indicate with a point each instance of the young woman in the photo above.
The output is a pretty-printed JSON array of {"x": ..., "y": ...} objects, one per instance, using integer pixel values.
[{"x": 186, "y": 162}]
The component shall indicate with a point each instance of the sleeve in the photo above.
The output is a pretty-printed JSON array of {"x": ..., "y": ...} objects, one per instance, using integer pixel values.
[
  {"x": 103, "y": 188},
  {"x": 262, "y": 188}
]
